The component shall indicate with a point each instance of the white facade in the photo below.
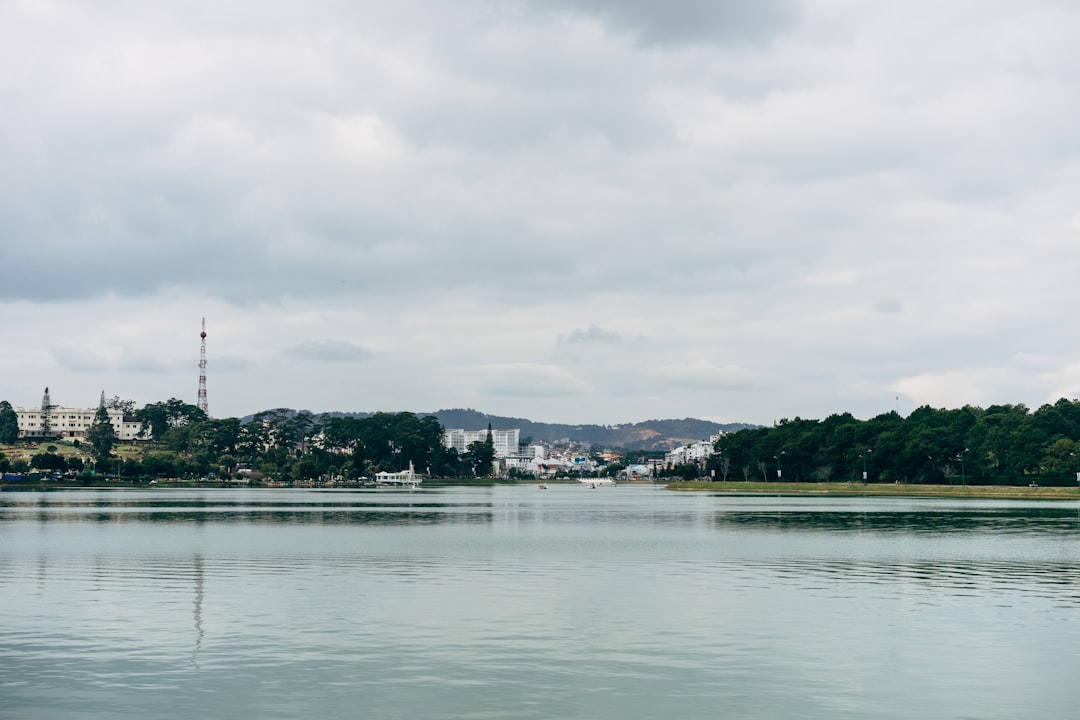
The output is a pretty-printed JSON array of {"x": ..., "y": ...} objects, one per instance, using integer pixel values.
[
  {"x": 530, "y": 460},
  {"x": 74, "y": 423},
  {"x": 506, "y": 441},
  {"x": 405, "y": 477},
  {"x": 685, "y": 454}
]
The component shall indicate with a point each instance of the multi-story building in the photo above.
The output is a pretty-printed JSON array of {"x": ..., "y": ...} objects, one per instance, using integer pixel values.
[
  {"x": 74, "y": 423},
  {"x": 529, "y": 459},
  {"x": 691, "y": 453},
  {"x": 506, "y": 441}
]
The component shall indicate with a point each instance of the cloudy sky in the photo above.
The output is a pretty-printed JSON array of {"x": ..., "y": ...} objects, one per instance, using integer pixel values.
[{"x": 568, "y": 210}]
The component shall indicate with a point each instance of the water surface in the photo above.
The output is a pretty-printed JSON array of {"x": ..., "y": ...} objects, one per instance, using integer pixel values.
[{"x": 515, "y": 602}]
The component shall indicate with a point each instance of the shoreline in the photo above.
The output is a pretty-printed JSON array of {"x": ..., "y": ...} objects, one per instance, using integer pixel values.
[
  {"x": 843, "y": 489},
  {"x": 1011, "y": 492}
]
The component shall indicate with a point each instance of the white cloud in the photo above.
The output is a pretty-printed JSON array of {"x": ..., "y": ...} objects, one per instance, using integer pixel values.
[
  {"x": 328, "y": 351},
  {"x": 889, "y": 305},
  {"x": 592, "y": 334},
  {"x": 81, "y": 359},
  {"x": 691, "y": 21},
  {"x": 701, "y": 375},
  {"x": 739, "y": 210},
  {"x": 522, "y": 380},
  {"x": 950, "y": 389}
]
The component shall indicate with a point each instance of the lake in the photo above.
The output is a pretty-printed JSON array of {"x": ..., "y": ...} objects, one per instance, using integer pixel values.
[{"x": 515, "y": 602}]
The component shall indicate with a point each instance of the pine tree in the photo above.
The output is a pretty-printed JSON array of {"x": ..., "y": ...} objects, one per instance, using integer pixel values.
[
  {"x": 9, "y": 423},
  {"x": 483, "y": 454},
  {"x": 102, "y": 435}
]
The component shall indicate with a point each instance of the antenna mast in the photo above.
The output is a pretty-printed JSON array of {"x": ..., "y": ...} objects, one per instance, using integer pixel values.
[{"x": 202, "y": 405}]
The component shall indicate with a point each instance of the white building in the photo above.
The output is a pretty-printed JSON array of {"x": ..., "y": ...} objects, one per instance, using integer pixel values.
[
  {"x": 529, "y": 460},
  {"x": 506, "y": 441},
  {"x": 74, "y": 423},
  {"x": 407, "y": 478},
  {"x": 685, "y": 454}
]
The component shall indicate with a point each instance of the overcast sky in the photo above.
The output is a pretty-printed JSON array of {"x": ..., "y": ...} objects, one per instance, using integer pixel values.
[{"x": 593, "y": 211}]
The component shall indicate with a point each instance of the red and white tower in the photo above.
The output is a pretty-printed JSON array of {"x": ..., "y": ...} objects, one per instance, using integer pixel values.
[{"x": 202, "y": 371}]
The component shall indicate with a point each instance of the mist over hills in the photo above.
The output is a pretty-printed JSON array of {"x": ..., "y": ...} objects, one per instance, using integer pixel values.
[{"x": 646, "y": 435}]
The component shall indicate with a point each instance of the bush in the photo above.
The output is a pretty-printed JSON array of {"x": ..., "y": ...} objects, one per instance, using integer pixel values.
[{"x": 47, "y": 461}]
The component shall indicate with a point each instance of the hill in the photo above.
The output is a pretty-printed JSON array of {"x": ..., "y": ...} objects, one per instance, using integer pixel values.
[{"x": 647, "y": 435}]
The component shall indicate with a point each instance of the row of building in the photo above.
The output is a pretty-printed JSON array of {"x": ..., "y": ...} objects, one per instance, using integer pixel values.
[
  {"x": 73, "y": 423},
  {"x": 539, "y": 460}
]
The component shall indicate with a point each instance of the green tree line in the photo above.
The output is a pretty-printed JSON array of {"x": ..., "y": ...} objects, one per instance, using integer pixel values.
[
  {"x": 280, "y": 444},
  {"x": 998, "y": 445},
  {"x": 288, "y": 445}
]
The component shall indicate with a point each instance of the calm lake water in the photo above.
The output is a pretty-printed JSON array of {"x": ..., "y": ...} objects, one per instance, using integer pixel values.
[{"x": 515, "y": 602}]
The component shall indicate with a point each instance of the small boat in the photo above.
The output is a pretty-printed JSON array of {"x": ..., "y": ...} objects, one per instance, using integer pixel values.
[{"x": 542, "y": 486}]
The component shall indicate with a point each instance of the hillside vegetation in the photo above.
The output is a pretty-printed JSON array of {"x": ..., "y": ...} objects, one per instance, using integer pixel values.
[{"x": 998, "y": 445}]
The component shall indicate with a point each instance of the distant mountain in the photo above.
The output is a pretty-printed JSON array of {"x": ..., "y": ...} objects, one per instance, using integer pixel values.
[{"x": 647, "y": 435}]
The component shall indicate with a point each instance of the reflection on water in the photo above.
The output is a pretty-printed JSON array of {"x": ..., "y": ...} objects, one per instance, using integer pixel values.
[
  {"x": 199, "y": 581},
  {"x": 887, "y": 515},
  {"x": 1021, "y": 520},
  {"x": 512, "y": 602},
  {"x": 242, "y": 507}
]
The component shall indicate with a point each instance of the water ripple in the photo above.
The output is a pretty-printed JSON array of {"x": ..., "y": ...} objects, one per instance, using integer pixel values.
[{"x": 509, "y": 603}]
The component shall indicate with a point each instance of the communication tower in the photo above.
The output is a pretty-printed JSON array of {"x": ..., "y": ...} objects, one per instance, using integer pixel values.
[{"x": 201, "y": 404}]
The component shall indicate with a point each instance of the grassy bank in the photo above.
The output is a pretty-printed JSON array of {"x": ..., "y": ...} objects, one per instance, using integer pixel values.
[{"x": 857, "y": 489}]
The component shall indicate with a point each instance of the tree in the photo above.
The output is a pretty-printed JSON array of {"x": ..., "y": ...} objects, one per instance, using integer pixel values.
[
  {"x": 228, "y": 464},
  {"x": 1059, "y": 456},
  {"x": 125, "y": 406},
  {"x": 218, "y": 436},
  {"x": 130, "y": 468},
  {"x": 159, "y": 465},
  {"x": 155, "y": 420},
  {"x": 101, "y": 434},
  {"x": 158, "y": 417},
  {"x": 47, "y": 461},
  {"x": 614, "y": 469},
  {"x": 686, "y": 471},
  {"x": 482, "y": 454},
  {"x": 9, "y": 423}
]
